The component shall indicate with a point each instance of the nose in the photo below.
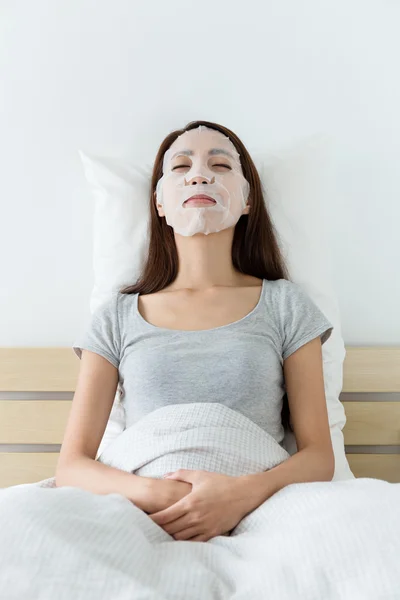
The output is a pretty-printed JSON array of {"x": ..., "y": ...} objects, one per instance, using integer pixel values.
[{"x": 200, "y": 179}]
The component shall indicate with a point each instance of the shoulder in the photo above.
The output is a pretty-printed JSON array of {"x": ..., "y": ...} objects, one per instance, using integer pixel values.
[
  {"x": 113, "y": 305},
  {"x": 287, "y": 297},
  {"x": 125, "y": 304},
  {"x": 115, "y": 311},
  {"x": 282, "y": 289}
]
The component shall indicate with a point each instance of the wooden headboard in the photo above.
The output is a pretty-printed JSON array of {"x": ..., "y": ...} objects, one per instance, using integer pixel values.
[{"x": 32, "y": 430}]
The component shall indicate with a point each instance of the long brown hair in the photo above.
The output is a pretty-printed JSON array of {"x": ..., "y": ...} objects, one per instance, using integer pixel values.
[{"x": 255, "y": 250}]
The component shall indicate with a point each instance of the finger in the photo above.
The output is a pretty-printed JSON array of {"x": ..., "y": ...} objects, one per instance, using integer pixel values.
[
  {"x": 199, "y": 538},
  {"x": 177, "y": 510},
  {"x": 182, "y": 475},
  {"x": 178, "y": 525},
  {"x": 186, "y": 534}
]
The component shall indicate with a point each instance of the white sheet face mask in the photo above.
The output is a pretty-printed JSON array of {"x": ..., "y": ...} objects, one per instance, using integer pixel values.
[{"x": 202, "y": 161}]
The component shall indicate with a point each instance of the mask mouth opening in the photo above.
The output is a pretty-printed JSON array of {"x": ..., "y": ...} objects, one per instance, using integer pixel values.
[{"x": 207, "y": 200}]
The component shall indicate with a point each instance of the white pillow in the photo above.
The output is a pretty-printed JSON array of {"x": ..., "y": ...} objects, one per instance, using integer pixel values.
[{"x": 297, "y": 181}]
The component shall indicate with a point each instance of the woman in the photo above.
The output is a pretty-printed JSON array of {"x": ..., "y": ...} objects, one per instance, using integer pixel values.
[{"x": 213, "y": 318}]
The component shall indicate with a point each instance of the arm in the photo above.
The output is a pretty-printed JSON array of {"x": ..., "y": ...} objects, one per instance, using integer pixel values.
[
  {"x": 77, "y": 467},
  {"x": 314, "y": 461},
  {"x": 218, "y": 502}
]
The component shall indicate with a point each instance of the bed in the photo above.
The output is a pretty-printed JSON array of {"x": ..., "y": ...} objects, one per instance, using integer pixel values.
[
  {"x": 336, "y": 540},
  {"x": 31, "y": 430}
]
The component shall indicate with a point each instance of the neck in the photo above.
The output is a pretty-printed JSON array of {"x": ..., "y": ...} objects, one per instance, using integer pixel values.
[{"x": 206, "y": 261}]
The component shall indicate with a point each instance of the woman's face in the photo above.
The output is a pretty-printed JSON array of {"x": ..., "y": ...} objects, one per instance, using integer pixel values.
[{"x": 202, "y": 161}]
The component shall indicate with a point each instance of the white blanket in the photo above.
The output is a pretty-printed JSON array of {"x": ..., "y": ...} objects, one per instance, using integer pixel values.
[{"x": 310, "y": 541}]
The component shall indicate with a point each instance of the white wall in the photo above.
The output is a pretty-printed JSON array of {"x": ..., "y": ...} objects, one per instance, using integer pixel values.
[{"x": 115, "y": 76}]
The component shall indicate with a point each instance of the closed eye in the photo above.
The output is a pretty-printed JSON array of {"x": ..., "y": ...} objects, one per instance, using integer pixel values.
[
  {"x": 216, "y": 165},
  {"x": 226, "y": 166}
]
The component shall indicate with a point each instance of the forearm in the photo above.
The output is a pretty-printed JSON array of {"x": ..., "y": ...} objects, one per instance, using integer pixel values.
[
  {"x": 307, "y": 465},
  {"x": 96, "y": 477}
]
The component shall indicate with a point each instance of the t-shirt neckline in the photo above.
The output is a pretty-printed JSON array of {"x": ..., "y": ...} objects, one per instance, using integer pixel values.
[{"x": 191, "y": 331}]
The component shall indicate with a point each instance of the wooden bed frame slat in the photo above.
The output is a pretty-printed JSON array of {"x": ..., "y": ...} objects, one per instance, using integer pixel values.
[
  {"x": 38, "y": 370},
  {"x": 26, "y": 467},
  {"x": 372, "y": 369},
  {"x": 44, "y": 422},
  {"x": 33, "y": 421},
  {"x": 372, "y": 423},
  {"x": 377, "y": 466},
  {"x": 367, "y": 369}
]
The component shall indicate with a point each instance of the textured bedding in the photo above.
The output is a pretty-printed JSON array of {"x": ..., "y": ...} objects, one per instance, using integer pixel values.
[{"x": 323, "y": 540}]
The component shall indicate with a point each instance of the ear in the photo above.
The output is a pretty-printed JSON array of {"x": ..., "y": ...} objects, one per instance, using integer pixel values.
[
  {"x": 159, "y": 207},
  {"x": 246, "y": 209}
]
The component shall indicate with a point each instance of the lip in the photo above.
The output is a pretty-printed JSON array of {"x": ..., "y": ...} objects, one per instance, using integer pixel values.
[{"x": 201, "y": 199}]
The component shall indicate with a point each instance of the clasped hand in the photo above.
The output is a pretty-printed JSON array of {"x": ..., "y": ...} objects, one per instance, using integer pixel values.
[{"x": 215, "y": 506}]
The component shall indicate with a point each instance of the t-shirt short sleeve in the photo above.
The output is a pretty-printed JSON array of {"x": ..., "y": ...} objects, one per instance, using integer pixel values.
[
  {"x": 301, "y": 319},
  {"x": 102, "y": 335}
]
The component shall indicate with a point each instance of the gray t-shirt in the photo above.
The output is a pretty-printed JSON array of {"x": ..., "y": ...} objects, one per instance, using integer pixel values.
[{"x": 239, "y": 365}]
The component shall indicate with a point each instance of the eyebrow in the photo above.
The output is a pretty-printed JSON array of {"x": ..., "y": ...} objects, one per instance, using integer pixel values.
[{"x": 210, "y": 152}]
